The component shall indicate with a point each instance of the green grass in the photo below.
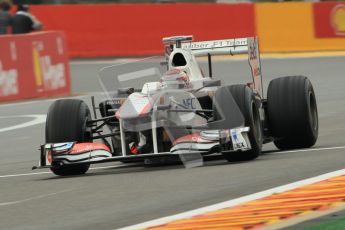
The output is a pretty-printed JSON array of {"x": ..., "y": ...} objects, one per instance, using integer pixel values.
[{"x": 338, "y": 224}]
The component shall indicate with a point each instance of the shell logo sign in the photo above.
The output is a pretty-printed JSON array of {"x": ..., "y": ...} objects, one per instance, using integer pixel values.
[
  {"x": 329, "y": 19},
  {"x": 338, "y": 19}
]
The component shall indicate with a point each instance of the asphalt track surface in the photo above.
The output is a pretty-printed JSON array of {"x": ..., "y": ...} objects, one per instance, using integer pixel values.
[{"x": 118, "y": 196}]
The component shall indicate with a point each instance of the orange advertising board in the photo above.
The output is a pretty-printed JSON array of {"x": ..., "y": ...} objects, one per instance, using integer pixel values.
[{"x": 297, "y": 27}]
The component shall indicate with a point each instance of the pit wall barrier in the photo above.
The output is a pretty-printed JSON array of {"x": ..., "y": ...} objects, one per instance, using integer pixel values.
[{"x": 33, "y": 66}]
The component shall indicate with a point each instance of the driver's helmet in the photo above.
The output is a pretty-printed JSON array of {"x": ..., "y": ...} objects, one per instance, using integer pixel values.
[{"x": 175, "y": 79}]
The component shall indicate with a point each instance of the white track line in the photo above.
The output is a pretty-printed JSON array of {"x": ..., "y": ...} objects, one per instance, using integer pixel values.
[
  {"x": 23, "y": 174},
  {"x": 39, "y": 101},
  {"x": 313, "y": 149},
  {"x": 240, "y": 200},
  {"x": 24, "y": 103},
  {"x": 40, "y": 173},
  {"x": 119, "y": 166},
  {"x": 32, "y": 198},
  {"x": 38, "y": 119}
]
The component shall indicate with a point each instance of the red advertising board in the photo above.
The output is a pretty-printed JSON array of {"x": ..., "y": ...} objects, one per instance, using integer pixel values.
[
  {"x": 33, "y": 65},
  {"x": 329, "y": 19},
  {"x": 95, "y": 30}
]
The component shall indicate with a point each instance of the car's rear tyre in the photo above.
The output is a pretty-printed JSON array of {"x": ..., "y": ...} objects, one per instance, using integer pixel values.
[
  {"x": 292, "y": 112},
  {"x": 66, "y": 122},
  {"x": 245, "y": 99}
]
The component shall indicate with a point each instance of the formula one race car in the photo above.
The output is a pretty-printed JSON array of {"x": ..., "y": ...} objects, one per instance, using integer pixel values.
[{"x": 181, "y": 113}]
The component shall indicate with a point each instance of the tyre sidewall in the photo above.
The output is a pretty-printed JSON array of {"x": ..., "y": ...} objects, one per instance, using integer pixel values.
[
  {"x": 66, "y": 122},
  {"x": 252, "y": 119},
  {"x": 291, "y": 107},
  {"x": 249, "y": 106}
]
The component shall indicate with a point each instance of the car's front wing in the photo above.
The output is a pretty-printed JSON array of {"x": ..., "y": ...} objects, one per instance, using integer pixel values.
[{"x": 202, "y": 143}]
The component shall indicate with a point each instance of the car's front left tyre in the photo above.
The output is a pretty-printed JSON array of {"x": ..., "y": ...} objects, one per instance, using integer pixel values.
[{"x": 67, "y": 122}]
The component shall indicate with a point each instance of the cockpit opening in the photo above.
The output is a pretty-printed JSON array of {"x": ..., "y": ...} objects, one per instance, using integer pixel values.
[{"x": 179, "y": 60}]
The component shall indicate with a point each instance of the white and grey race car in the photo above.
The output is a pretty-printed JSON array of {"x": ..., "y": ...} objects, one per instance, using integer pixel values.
[{"x": 180, "y": 113}]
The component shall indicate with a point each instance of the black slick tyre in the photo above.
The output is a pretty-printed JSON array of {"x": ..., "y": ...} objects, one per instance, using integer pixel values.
[
  {"x": 66, "y": 122},
  {"x": 245, "y": 99},
  {"x": 292, "y": 112}
]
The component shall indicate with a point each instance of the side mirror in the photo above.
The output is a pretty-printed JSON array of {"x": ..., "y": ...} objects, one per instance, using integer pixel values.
[
  {"x": 128, "y": 90},
  {"x": 211, "y": 83}
]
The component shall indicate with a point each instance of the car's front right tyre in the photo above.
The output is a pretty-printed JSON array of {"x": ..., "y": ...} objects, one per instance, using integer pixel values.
[{"x": 245, "y": 100}]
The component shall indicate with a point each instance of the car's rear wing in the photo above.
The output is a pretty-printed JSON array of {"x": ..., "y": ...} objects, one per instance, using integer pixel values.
[
  {"x": 232, "y": 46},
  {"x": 218, "y": 47}
]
